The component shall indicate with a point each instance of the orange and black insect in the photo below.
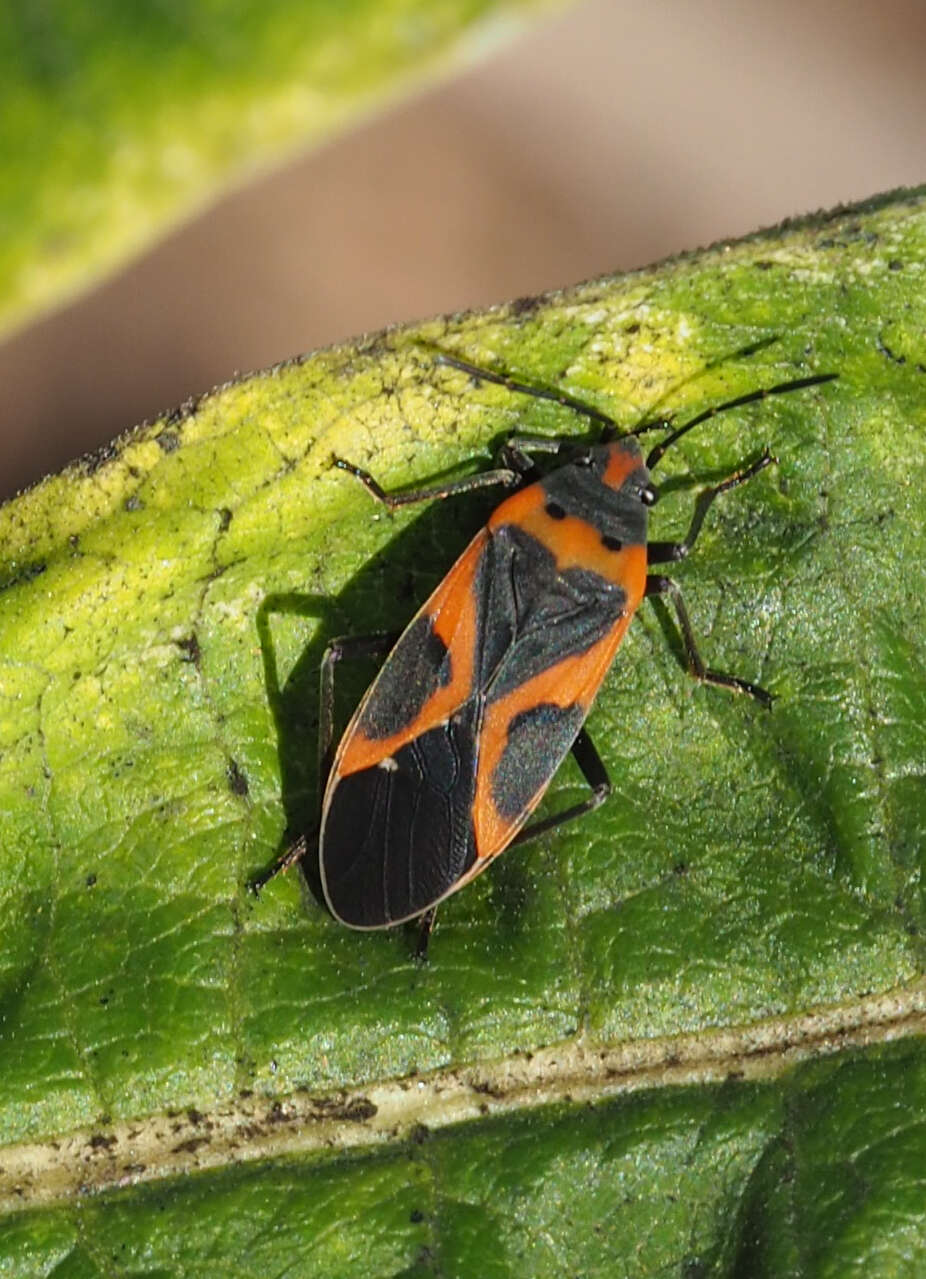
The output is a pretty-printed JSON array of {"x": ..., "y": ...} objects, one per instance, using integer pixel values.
[{"x": 489, "y": 686}]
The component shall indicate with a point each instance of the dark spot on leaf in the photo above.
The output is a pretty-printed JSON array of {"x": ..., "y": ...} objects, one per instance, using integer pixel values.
[
  {"x": 895, "y": 264},
  {"x": 134, "y": 503},
  {"x": 183, "y": 411},
  {"x": 359, "y": 1111},
  {"x": 189, "y": 647},
  {"x": 90, "y": 880},
  {"x": 225, "y": 518},
  {"x": 190, "y": 1146},
  {"x": 25, "y": 574},
  {"x": 886, "y": 350},
  {"x": 100, "y": 1141},
  {"x": 416, "y": 1216},
  {"x": 489, "y": 1090},
  {"x": 91, "y": 462},
  {"x": 237, "y": 782},
  {"x": 169, "y": 441},
  {"x": 525, "y": 305}
]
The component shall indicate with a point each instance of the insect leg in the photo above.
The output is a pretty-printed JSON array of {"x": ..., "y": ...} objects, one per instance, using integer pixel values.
[
  {"x": 672, "y": 552},
  {"x": 294, "y": 853},
  {"x": 350, "y": 646},
  {"x": 594, "y": 772},
  {"x": 657, "y": 585},
  {"x": 505, "y": 475},
  {"x": 425, "y": 928},
  {"x": 346, "y": 646},
  {"x": 512, "y": 465}
]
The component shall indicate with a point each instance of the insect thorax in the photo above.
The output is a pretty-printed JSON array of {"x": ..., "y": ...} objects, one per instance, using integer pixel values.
[{"x": 604, "y": 487}]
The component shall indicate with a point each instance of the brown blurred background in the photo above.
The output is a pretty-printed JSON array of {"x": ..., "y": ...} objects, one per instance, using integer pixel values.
[{"x": 613, "y": 134}]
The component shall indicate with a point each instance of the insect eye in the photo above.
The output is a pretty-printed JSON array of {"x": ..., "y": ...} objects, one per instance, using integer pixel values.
[{"x": 649, "y": 496}]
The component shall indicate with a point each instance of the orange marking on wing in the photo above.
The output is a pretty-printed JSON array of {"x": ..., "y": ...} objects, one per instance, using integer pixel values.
[
  {"x": 573, "y": 681},
  {"x": 454, "y": 614},
  {"x": 520, "y": 507}
]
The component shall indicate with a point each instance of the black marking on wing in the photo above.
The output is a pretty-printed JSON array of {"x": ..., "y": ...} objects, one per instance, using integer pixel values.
[
  {"x": 402, "y": 830},
  {"x": 418, "y": 666},
  {"x": 538, "y": 739},
  {"x": 535, "y": 616}
]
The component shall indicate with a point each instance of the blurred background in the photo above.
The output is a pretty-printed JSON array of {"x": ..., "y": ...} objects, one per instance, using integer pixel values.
[{"x": 609, "y": 135}]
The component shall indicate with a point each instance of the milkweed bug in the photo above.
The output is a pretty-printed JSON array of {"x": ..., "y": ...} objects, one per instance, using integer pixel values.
[{"x": 488, "y": 688}]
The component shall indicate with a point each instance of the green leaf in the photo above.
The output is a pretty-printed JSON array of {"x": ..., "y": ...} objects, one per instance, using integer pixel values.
[
  {"x": 117, "y": 120},
  {"x": 656, "y": 1041}
]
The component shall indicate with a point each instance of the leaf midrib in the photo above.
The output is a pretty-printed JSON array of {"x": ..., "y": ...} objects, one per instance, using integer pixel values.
[{"x": 252, "y": 1127}]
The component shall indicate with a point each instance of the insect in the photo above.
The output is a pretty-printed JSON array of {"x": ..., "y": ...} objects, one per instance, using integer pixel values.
[{"x": 488, "y": 688}]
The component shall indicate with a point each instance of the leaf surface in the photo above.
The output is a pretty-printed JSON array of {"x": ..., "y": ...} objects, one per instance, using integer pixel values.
[
  {"x": 118, "y": 120},
  {"x": 669, "y": 1027}
]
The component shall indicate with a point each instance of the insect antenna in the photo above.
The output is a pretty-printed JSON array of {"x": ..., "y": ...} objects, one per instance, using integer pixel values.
[
  {"x": 798, "y": 384},
  {"x": 538, "y": 392}
]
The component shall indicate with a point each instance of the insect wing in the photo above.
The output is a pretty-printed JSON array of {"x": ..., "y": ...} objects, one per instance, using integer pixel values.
[
  {"x": 397, "y": 829},
  {"x": 470, "y": 717},
  {"x": 564, "y": 628}
]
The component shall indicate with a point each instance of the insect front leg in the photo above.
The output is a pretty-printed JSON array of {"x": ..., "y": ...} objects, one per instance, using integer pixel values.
[
  {"x": 346, "y": 646},
  {"x": 672, "y": 552},
  {"x": 504, "y": 475}
]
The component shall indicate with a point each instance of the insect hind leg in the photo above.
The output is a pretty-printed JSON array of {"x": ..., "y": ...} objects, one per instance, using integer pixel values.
[
  {"x": 346, "y": 646},
  {"x": 289, "y": 857},
  {"x": 596, "y": 775},
  {"x": 593, "y": 770}
]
